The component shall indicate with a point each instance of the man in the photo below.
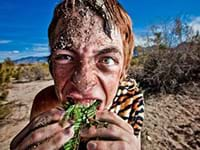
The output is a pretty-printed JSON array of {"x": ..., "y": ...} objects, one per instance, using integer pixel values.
[{"x": 91, "y": 46}]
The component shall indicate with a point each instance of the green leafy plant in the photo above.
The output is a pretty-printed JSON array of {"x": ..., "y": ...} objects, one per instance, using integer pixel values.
[{"x": 81, "y": 115}]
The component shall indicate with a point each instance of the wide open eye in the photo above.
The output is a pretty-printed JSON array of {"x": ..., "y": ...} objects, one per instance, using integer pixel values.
[
  {"x": 107, "y": 61},
  {"x": 63, "y": 58}
]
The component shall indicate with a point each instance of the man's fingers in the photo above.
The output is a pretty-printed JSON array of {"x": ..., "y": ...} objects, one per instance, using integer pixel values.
[
  {"x": 39, "y": 121},
  {"x": 38, "y": 135},
  {"x": 58, "y": 140},
  {"x": 111, "y": 132},
  {"x": 45, "y": 118},
  {"x": 113, "y": 118},
  {"x": 108, "y": 145}
]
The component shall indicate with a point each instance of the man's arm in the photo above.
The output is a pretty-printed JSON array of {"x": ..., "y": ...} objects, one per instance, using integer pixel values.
[{"x": 44, "y": 101}]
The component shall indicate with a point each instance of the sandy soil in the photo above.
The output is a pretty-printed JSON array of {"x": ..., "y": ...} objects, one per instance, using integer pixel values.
[
  {"x": 172, "y": 122},
  {"x": 20, "y": 97}
]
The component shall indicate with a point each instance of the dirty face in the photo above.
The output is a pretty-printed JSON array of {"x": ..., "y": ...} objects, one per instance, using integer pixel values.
[{"x": 86, "y": 63}]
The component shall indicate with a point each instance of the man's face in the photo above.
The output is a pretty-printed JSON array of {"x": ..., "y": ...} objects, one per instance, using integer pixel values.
[{"x": 86, "y": 63}]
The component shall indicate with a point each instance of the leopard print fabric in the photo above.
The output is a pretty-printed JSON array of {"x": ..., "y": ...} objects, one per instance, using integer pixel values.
[{"x": 129, "y": 104}]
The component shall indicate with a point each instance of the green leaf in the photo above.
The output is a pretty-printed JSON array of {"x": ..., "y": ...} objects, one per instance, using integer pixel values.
[{"x": 80, "y": 114}]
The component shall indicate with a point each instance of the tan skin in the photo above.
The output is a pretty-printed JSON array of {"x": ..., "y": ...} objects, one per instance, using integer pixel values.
[{"x": 89, "y": 70}]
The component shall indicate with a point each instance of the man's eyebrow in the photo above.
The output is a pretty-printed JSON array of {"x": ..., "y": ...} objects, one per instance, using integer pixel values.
[
  {"x": 70, "y": 50},
  {"x": 109, "y": 50}
]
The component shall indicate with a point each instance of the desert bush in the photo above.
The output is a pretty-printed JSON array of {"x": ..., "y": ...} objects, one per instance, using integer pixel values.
[
  {"x": 10, "y": 72},
  {"x": 33, "y": 72},
  {"x": 134, "y": 61},
  {"x": 167, "y": 70},
  {"x": 23, "y": 72},
  {"x": 4, "y": 109},
  {"x": 3, "y": 94},
  {"x": 6, "y": 71}
]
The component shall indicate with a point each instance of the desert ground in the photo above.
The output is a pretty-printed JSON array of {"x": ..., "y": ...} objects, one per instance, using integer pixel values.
[
  {"x": 20, "y": 99},
  {"x": 172, "y": 122}
]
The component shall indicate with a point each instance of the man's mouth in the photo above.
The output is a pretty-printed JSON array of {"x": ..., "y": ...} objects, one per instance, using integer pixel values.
[{"x": 83, "y": 101}]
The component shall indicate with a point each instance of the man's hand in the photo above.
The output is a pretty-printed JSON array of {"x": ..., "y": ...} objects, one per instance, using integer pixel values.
[
  {"x": 117, "y": 135},
  {"x": 44, "y": 132}
]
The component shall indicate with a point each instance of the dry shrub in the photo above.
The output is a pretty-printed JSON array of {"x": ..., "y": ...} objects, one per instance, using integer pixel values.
[
  {"x": 138, "y": 61},
  {"x": 10, "y": 72},
  {"x": 167, "y": 70},
  {"x": 32, "y": 72},
  {"x": 3, "y": 94},
  {"x": 6, "y": 72}
]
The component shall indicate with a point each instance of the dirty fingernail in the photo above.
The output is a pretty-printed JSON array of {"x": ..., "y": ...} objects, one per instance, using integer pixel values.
[{"x": 91, "y": 146}]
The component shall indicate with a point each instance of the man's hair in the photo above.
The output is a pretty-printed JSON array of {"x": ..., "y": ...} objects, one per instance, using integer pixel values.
[{"x": 110, "y": 11}]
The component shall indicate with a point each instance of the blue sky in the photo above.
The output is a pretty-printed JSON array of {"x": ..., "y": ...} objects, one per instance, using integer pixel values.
[{"x": 23, "y": 24}]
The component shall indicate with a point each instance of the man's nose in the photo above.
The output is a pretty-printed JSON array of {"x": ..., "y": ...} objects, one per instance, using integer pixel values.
[{"x": 84, "y": 78}]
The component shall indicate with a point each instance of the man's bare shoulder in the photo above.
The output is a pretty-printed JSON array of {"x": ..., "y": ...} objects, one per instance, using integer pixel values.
[
  {"x": 48, "y": 92},
  {"x": 45, "y": 100}
]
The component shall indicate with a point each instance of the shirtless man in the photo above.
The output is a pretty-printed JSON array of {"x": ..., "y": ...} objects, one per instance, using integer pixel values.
[{"x": 91, "y": 46}]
